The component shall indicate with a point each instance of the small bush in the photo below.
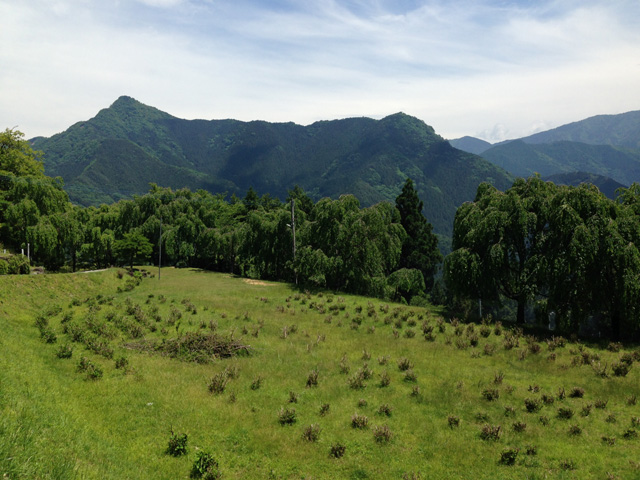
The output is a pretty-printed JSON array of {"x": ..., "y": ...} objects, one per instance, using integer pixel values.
[
  {"x": 567, "y": 464},
  {"x": 311, "y": 433},
  {"x": 256, "y": 383},
  {"x": 532, "y": 405},
  {"x": 312, "y": 378},
  {"x": 385, "y": 409},
  {"x": 337, "y": 450},
  {"x": 177, "y": 444},
  {"x": 453, "y": 421},
  {"x": 620, "y": 369},
  {"x": 65, "y": 351},
  {"x": 359, "y": 421},
  {"x": 565, "y": 413},
  {"x": 382, "y": 434},
  {"x": 575, "y": 430},
  {"x": 491, "y": 394},
  {"x": 577, "y": 392},
  {"x": 519, "y": 427},
  {"x": 205, "y": 466},
  {"x": 630, "y": 433},
  {"x": 509, "y": 455},
  {"x": 404, "y": 364},
  {"x": 287, "y": 416},
  {"x": 490, "y": 432},
  {"x": 410, "y": 376},
  {"x": 385, "y": 379},
  {"x": 218, "y": 383}
]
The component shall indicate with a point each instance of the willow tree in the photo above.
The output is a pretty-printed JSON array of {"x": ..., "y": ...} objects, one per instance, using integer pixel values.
[{"x": 499, "y": 243}]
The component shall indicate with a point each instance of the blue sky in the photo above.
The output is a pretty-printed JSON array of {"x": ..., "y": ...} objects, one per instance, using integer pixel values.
[{"x": 492, "y": 69}]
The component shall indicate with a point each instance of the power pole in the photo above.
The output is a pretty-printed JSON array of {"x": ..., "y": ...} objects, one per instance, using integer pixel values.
[
  {"x": 160, "y": 250},
  {"x": 293, "y": 230}
]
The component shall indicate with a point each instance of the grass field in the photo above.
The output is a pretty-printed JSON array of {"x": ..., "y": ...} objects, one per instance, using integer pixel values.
[{"x": 468, "y": 401}]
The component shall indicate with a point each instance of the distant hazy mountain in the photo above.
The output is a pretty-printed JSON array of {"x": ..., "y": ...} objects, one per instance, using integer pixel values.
[
  {"x": 470, "y": 144},
  {"x": 621, "y": 130},
  {"x": 606, "y": 185},
  {"x": 124, "y": 147}
]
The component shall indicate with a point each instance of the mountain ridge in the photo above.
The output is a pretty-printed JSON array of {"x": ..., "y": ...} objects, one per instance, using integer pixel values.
[{"x": 129, "y": 144}]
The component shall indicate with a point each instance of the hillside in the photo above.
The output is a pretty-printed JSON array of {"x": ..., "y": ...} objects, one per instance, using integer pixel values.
[
  {"x": 524, "y": 159},
  {"x": 128, "y": 145},
  {"x": 622, "y": 130},
  {"x": 605, "y": 184},
  {"x": 99, "y": 369},
  {"x": 470, "y": 144}
]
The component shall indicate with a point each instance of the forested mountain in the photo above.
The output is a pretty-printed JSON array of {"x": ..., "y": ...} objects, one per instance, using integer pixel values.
[
  {"x": 523, "y": 159},
  {"x": 470, "y": 144},
  {"x": 622, "y": 130},
  {"x": 128, "y": 145},
  {"x": 606, "y": 185},
  {"x": 604, "y": 145}
]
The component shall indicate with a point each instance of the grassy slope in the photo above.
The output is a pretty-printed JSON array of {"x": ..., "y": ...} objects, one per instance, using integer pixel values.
[{"x": 56, "y": 424}]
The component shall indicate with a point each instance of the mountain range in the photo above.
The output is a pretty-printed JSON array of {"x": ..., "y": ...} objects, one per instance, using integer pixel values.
[
  {"x": 604, "y": 148},
  {"x": 125, "y": 147}
]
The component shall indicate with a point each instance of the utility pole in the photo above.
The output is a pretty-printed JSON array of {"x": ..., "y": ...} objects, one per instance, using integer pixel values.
[
  {"x": 160, "y": 250},
  {"x": 293, "y": 230}
]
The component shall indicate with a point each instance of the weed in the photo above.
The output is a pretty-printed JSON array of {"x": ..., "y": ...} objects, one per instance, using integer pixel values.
[
  {"x": 531, "y": 450},
  {"x": 382, "y": 434},
  {"x": 509, "y": 455},
  {"x": 383, "y": 360},
  {"x": 415, "y": 391},
  {"x": 586, "y": 409},
  {"x": 311, "y": 433},
  {"x": 614, "y": 347},
  {"x": 491, "y": 394},
  {"x": 490, "y": 432},
  {"x": 64, "y": 351},
  {"x": 385, "y": 379},
  {"x": 366, "y": 355},
  {"x": 287, "y": 416},
  {"x": 324, "y": 409},
  {"x": 177, "y": 444},
  {"x": 359, "y": 421},
  {"x": 609, "y": 440},
  {"x": 635, "y": 422},
  {"x": 509, "y": 411},
  {"x": 453, "y": 421},
  {"x": 576, "y": 392},
  {"x": 218, "y": 383},
  {"x": 632, "y": 400},
  {"x": 362, "y": 402},
  {"x": 256, "y": 383},
  {"x": 611, "y": 418},
  {"x": 409, "y": 333},
  {"x": 122, "y": 363},
  {"x": 337, "y": 450},
  {"x": 312, "y": 378},
  {"x": 544, "y": 420},
  {"x": 344, "y": 364},
  {"x": 356, "y": 382},
  {"x": 489, "y": 349},
  {"x": 519, "y": 427},
  {"x": 205, "y": 467},
  {"x": 293, "y": 397},
  {"x": 385, "y": 409},
  {"x": 561, "y": 394},
  {"x": 404, "y": 364},
  {"x": 565, "y": 413},
  {"x": 629, "y": 434},
  {"x": 410, "y": 376},
  {"x": 567, "y": 464},
  {"x": 532, "y": 405},
  {"x": 620, "y": 369},
  {"x": 547, "y": 399},
  {"x": 575, "y": 430},
  {"x": 498, "y": 377},
  {"x": 482, "y": 417}
]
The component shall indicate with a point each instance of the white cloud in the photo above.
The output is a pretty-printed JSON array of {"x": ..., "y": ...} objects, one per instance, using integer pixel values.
[{"x": 462, "y": 66}]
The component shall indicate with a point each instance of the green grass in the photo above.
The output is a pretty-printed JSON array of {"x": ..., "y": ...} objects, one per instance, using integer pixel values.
[{"x": 56, "y": 423}]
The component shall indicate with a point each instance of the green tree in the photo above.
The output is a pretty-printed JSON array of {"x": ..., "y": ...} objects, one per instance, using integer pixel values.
[
  {"x": 420, "y": 246},
  {"x": 133, "y": 247},
  {"x": 499, "y": 243}
]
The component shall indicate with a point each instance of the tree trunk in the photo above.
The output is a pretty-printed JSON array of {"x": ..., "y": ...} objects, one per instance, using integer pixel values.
[{"x": 520, "y": 317}]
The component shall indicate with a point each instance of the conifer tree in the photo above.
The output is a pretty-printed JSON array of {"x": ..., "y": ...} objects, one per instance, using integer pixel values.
[{"x": 420, "y": 248}]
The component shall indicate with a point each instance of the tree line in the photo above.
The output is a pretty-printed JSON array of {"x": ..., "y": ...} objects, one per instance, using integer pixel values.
[
  {"x": 383, "y": 250},
  {"x": 566, "y": 250}
]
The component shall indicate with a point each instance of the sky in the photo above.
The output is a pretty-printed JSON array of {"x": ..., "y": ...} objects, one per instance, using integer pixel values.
[{"x": 493, "y": 69}]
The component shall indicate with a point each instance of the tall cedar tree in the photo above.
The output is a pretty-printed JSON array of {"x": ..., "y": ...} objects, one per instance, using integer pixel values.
[{"x": 420, "y": 248}]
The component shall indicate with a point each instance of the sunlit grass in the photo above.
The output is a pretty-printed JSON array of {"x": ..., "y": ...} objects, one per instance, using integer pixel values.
[{"x": 57, "y": 424}]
